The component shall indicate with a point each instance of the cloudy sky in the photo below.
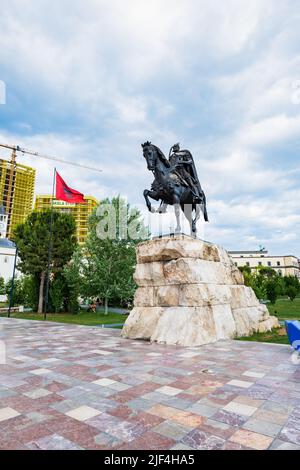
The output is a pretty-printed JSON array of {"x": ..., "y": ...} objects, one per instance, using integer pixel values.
[{"x": 90, "y": 80}]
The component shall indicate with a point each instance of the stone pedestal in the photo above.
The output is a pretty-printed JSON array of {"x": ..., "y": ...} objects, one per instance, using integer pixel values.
[{"x": 191, "y": 293}]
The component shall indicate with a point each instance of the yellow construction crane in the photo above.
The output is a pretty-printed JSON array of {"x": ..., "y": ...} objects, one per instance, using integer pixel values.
[
  {"x": 17, "y": 148},
  {"x": 8, "y": 184}
]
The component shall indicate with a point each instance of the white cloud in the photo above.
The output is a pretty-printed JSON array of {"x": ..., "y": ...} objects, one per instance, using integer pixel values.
[{"x": 103, "y": 76}]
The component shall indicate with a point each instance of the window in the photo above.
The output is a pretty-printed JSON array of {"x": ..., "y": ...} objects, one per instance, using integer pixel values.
[
  {"x": 6, "y": 259},
  {"x": 248, "y": 264},
  {"x": 259, "y": 263},
  {"x": 269, "y": 263},
  {"x": 278, "y": 263},
  {"x": 280, "y": 272}
]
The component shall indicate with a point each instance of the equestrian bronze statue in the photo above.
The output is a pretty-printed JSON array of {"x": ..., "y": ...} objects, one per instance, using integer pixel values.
[{"x": 175, "y": 183}]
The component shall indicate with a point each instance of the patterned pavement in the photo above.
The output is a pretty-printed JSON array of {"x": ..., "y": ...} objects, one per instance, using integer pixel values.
[{"x": 78, "y": 387}]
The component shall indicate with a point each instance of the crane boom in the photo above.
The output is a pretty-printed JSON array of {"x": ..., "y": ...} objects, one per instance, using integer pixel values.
[{"x": 17, "y": 148}]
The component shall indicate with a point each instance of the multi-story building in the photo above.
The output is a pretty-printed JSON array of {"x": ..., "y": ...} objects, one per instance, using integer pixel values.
[
  {"x": 81, "y": 212},
  {"x": 3, "y": 222},
  {"x": 16, "y": 193},
  {"x": 7, "y": 259},
  {"x": 287, "y": 265}
]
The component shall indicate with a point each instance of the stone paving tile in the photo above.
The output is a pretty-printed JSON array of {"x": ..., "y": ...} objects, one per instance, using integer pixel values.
[
  {"x": 262, "y": 427},
  {"x": 41, "y": 371},
  {"x": 181, "y": 447},
  {"x": 277, "y": 444},
  {"x": 171, "y": 391},
  {"x": 7, "y": 413},
  {"x": 83, "y": 413},
  {"x": 251, "y": 439},
  {"x": 240, "y": 408},
  {"x": 254, "y": 374},
  {"x": 126, "y": 431},
  {"x": 106, "y": 441},
  {"x": 179, "y": 403},
  {"x": 244, "y": 400},
  {"x": 37, "y": 393},
  {"x": 202, "y": 410},
  {"x": 113, "y": 393},
  {"x": 140, "y": 404},
  {"x": 163, "y": 411},
  {"x": 53, "y": 442},
  {"x": 149, "y": 441},
  {"x": 217, "y": 428},
  {"x": 187, "y": 419},
  {"x": 240, "y": 383},
  {"x": 198, "y": 439},
  {"x": 172, "y": 430},
  {"x": 270, "y": 416},
  {"x": 291, "y": 432},
  {"x": 233, "y": 419},
  {"x": 147, "y": 420}
]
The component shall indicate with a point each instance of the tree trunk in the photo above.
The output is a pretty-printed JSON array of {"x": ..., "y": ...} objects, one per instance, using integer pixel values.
[
  {"x": 106, "y": 306},
  {"x": 41, "y": 293}
]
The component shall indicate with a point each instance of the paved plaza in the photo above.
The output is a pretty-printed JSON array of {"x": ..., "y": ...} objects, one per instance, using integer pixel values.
[{"x": 79, "y": 387}]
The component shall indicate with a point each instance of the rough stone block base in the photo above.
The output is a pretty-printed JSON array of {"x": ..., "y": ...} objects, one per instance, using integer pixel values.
[{"x": 191, "y": 293}]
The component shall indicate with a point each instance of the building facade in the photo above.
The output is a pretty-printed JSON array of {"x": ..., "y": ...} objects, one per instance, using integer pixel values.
[
  {"x": 287, "y": 265},
  {"x": 7, "y": 259},
  {"x": 16, "y": 193},
  {"x": 3, "y": 222},
  {"x": 81, "y": 212}
]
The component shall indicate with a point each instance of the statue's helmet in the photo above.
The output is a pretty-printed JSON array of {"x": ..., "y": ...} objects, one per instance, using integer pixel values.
[{"x": 176, "y": 147}]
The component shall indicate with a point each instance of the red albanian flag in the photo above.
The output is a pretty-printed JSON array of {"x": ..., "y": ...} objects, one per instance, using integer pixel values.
[{"x": 65, "y": 193}]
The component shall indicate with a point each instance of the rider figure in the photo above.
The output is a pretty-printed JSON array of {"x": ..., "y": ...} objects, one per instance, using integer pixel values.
[{"x": 179, "y": 160}]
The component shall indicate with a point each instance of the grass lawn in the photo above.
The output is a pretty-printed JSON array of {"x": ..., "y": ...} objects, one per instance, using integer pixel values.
[
  {"x": 278, "y": 335},
  {"x": 284, "y": 309},
  {"x": 82, "y": 318}
]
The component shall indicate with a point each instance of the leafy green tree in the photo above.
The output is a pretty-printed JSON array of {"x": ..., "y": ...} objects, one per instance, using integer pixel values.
[
  {"x": 109, "y": 252},
  {"x": 292, "y": 286},
  {"x": 57, "y": 292},
  {"x": 30, "y": 291},
  {"x": 33, "y": 238},
  {"x": 18, "y": 297},
  {"x": 72, "y": 275},
  {"x": 291, "y": 292},
  {"x": 273, "y": 288},
  {"x": 255, "y": 281},
  {"x": 2, "y": 286}
]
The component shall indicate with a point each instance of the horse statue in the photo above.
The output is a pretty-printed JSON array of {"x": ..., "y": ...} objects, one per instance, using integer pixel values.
[{"x": 175, "y": 183}]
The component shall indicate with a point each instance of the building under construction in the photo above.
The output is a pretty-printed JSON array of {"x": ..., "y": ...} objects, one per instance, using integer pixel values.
[
  {"x": 81, "y": 212},
  {"x": 16, "y": 192}
]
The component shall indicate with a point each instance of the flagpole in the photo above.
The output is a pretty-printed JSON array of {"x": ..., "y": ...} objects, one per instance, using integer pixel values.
[{"x": 49, "y": 249}]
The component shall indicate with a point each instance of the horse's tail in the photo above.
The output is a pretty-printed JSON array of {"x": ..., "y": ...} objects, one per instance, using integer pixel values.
[
  {"x": 205, "y": 213},
  {"x": 202, "y": 202}
]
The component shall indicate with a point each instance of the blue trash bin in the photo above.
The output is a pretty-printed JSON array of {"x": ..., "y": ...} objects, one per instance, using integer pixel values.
[{"x": 293, "y": 332}]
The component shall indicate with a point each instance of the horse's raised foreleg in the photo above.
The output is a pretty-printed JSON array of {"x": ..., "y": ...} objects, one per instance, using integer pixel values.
[{"x": 153, "y": 195}]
